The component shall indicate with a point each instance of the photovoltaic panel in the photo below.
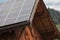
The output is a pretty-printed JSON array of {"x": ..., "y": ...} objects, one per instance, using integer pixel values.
[{"x": 14, "y": 11}]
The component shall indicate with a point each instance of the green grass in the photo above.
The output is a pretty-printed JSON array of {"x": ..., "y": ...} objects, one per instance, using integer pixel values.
[{"x": 58, "y": 26}]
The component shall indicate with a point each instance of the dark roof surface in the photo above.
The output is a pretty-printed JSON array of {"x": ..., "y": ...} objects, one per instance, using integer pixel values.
[{"x": 15, "y": 11}]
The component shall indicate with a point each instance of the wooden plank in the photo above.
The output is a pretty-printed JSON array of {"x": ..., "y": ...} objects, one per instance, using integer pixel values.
[
  {"x": 8, "y": 36},
  {"x": 42, "y": 20}
]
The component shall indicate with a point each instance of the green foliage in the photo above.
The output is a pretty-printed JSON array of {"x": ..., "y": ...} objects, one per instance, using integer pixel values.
[{"x": 55, "y": 15}]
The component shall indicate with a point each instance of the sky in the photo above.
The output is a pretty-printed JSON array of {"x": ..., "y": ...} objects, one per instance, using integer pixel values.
[
  {"x": 2, "y": 1},
  {"x": 55, "y": 4}
]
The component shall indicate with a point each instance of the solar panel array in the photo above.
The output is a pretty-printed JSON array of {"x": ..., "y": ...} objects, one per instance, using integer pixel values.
[{"x": 14, "y": 11}]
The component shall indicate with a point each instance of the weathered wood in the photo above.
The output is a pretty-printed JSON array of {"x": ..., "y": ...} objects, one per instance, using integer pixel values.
[
  {"x": 8, "y": 36},
  {"x": 30, "y": 34},
  {"x": 43, "y": 23}
]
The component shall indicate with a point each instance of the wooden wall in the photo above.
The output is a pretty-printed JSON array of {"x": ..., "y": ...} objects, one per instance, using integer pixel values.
[{"x": 43, "y": 23}]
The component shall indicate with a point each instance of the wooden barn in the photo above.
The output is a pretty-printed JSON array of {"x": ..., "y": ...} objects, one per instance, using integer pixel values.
[{"x": 33, "y": 23}]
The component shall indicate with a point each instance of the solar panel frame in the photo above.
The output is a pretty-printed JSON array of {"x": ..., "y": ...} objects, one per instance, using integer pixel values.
[{"x": 14, "y": 26}]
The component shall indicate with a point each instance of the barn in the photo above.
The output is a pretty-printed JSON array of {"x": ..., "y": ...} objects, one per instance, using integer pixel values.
[{"x": 26, "y": 20}]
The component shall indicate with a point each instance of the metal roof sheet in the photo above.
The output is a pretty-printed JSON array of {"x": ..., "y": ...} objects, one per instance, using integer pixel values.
[{"x": 14, "y": 11}]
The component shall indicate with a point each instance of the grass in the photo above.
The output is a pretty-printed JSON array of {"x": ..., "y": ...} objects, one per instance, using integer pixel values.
[{"x": 58, "y": 26}]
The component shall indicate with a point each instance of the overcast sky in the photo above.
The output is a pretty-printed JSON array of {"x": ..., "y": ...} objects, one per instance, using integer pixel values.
[{"x": 55, "y": 4}]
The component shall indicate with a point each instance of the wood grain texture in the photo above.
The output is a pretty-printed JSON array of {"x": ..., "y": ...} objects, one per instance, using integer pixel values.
[{"x": 43, "y": 23}]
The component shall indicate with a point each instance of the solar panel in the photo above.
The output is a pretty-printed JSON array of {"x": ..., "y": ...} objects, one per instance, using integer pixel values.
[{"x": 14, "y": 11}]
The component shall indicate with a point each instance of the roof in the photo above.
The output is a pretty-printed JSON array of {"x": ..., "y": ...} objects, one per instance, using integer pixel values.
[{"x": 14, "y": 12}]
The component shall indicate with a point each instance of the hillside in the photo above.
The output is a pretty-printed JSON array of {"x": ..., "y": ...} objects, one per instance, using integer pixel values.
[{"x": 55, "y": 15}]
